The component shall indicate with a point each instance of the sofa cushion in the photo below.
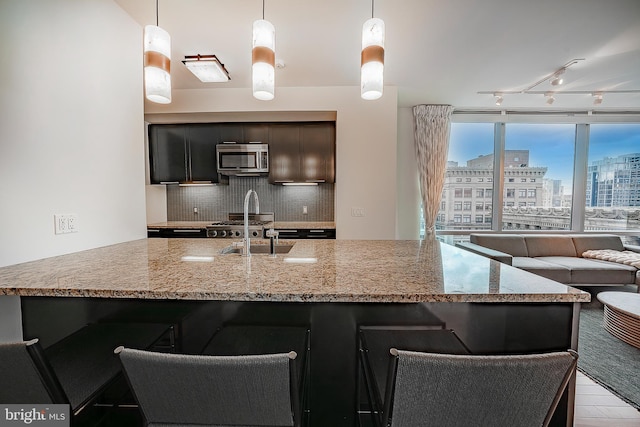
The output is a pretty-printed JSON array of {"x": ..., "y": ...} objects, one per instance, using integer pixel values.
[
  {"x": 551, "y": 271},
  {"x": 550, "y": 245},
  {"x": 585, "y": 242},
  {"x": 513, "y": 244},
  {"x": 594, "y": 272}
]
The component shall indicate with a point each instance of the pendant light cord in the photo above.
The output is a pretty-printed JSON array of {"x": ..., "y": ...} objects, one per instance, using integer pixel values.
[
  {"x": 263, "y": 10},
  {"x": 372, "y": 3},
  {"x": 157, "y": 25}
]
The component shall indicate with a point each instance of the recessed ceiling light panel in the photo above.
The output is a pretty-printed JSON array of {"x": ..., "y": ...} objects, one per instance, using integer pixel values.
[{"x": 207, "y": 68}]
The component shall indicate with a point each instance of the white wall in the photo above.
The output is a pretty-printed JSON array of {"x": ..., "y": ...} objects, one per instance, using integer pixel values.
[
  {"x": 366, "y": 146},
  {"x": 71, "y": 126}
]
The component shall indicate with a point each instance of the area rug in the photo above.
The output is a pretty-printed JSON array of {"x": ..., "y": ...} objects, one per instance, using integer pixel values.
[{"x": 605, "y": 359}]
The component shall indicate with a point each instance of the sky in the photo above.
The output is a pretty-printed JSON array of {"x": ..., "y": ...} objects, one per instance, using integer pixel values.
[{"x": 549, "y": 145}]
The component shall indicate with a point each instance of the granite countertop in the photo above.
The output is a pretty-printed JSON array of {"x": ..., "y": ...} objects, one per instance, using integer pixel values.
[
  {"x": 314, "y": 270},
  {"x": 277, "y": 224}
]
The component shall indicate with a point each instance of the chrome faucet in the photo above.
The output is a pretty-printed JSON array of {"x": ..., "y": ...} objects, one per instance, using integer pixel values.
[{"x": 246, "y": 240}]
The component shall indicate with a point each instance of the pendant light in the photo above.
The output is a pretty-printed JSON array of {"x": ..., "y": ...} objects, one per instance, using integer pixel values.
[
  {"x": 263, "y": 58},
  {"x": 372, "y": 58},
  {"x": 157, "y": 63}
]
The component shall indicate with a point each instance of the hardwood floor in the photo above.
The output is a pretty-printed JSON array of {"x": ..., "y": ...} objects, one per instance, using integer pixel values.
[{"x": 597, "y": 407}]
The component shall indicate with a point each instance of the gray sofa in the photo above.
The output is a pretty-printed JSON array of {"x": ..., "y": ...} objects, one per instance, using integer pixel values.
[{"x": 559, "y": 257}]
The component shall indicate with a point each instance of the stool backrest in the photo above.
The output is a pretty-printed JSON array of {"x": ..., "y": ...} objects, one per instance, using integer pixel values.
[
  {"x": 443, "y": 390},
  {"x": 27, "y": 376},
  {"x": 212, "y": 390}
]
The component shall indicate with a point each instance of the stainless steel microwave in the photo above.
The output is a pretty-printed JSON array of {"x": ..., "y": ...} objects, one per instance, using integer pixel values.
[{"x": 243, "y": 159}]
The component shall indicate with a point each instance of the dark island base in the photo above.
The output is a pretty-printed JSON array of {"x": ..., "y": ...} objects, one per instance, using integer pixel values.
[{"x": 334, "y": 395}]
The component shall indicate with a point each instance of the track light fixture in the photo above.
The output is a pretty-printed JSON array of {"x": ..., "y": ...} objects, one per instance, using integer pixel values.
[
  {"x": 597, "y": 98},
  {"x": 557, "y": 77},
  {"x": 550, "y": 97}
]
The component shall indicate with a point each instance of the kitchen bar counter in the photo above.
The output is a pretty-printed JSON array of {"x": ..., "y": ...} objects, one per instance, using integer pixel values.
[
  {"x": 313, "y": 271},
  {"x": 332, "y": 286}
]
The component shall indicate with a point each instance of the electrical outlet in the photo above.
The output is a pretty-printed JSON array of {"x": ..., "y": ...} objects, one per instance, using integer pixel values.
[
  {"x": 357, "y": 212},
  {"x": 304, "y": 210},
  {"x": 65, "y": 223},
  {"x": 195, "y": 210},
  {"x": 60, "y": 223},
  {"x": 72, "y": 223}
]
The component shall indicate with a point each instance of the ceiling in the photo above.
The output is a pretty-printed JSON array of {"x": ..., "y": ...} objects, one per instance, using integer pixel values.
[{"x": 436, "y": 51}]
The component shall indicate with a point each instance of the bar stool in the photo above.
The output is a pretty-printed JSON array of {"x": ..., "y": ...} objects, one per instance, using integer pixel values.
[
  {"x": 445, "y": 390},
  {"x": 242, "y": 339},
  {"x": 75, "y": 370},
  {"x": 374, "y": 344},
  {"x": 179, "y": 389}
]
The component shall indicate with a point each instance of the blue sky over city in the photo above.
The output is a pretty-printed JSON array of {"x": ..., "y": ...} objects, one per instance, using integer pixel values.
[{"x": 549, "y": 145}]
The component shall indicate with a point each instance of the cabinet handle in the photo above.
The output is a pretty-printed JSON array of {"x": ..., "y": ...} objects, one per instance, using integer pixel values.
[
  {"x": 315, "y": 180},
  {"x": 287, "y": 180},
  {"x": 185, "y": 231},
  {"x": 169, "y": 182},
  {"x": 316, "y": 231}
]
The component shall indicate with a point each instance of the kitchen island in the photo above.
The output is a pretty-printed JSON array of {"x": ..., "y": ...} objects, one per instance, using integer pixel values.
[{"x": 335, "y": 286}]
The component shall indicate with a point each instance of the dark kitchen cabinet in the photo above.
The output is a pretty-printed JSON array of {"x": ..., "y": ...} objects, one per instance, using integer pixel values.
[
  {"x": 284, "y": 153},
  {"x": 318, "y": 152},
  {"x": 167, "y": 154},
  {"x": 183, "y": 154},
  {"x": 229, "y": 132},
  {"x": 202, "y": 152},
  {"x": 255, "y": 132},
  {"x": 302, "y": 152}
]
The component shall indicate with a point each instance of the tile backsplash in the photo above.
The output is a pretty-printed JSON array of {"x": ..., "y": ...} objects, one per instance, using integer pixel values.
[{"x": 215, "y": 202}]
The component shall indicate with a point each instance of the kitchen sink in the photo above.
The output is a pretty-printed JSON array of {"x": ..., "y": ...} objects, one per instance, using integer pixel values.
[{"x": 257, "y": 249}]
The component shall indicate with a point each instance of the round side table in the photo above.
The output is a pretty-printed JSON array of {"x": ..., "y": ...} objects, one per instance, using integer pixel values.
[{"x": 622, "y": 315}]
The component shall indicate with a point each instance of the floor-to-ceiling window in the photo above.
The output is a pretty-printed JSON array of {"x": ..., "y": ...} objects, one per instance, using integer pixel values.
[
  {"x": 538, "y": 176},
  {"x": 543, "y": 165},
  {"x": 612, "y": 200},
  {"x": 468, "y": 188}
]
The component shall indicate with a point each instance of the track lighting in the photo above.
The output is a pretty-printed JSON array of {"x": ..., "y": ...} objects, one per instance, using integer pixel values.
[
  {"x": 499, "y": 98},
  {"x": 550, "y": 97},
  {"x": 557, "y": 77},
  {"x": 597, "y": 98}
]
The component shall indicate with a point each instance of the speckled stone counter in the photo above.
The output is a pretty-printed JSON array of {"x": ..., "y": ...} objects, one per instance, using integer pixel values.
[
  {"x": 342, "y": 284},
  {"x": 313, "y": 271}
]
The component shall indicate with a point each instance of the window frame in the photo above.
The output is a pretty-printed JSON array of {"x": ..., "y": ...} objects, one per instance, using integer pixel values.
[{"x": 581, "y": 120}]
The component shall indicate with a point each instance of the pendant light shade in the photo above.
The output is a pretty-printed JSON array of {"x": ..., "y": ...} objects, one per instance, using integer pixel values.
[
  {"x": 157, "y": 64},
  {"x": 263, "y": 59},
  {"x": 372, "y": 59}
]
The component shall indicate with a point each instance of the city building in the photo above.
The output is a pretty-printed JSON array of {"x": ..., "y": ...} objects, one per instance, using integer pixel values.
[
  {"x": 614, "y": 182},
  {"x": 468, "y": 190}
]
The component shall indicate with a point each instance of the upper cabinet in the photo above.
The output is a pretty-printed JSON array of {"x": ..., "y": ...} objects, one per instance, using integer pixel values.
[
  {"x": 299, "y": 152},
  {"x": 318, "y": 152},
  {"x": 302, "y": 153},
  {"x": 183, "y": 153}
]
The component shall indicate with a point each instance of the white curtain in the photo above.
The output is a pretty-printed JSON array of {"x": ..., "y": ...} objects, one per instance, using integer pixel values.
[{"x": 431, "y": 132}]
